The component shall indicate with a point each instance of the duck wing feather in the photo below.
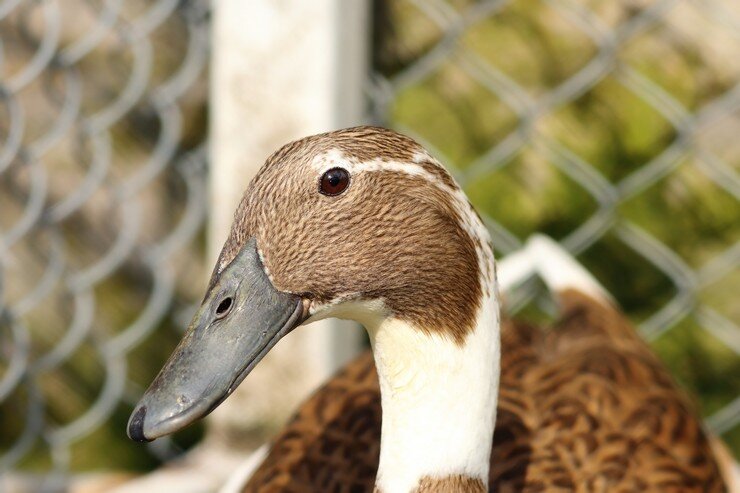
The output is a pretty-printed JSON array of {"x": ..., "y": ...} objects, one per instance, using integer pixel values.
[{"x": 584, "y": 406}]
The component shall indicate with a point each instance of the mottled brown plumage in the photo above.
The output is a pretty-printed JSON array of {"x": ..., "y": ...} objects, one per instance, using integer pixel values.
[
  {"x": 455, "y": 483},
  {"x": 584, "y": 406},
  {"x": 317, "y": 246}
]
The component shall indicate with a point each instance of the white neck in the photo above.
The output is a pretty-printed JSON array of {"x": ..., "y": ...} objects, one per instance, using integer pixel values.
[{"x": 438, "y": 398}]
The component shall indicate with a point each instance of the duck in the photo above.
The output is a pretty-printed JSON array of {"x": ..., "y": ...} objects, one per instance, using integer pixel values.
[{"x": 365, "y": 224}]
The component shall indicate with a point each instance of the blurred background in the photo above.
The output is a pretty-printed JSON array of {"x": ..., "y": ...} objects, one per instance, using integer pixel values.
[{"x": 128, "y": 130}]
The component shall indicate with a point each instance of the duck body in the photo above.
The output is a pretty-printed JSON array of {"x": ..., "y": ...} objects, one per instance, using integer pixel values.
[
  {"x": 584, "y": 406},
  {"x": 364, "y": 224}
]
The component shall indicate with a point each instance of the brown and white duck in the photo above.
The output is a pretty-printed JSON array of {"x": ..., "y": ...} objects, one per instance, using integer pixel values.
[{"x": 364, "y": 224}]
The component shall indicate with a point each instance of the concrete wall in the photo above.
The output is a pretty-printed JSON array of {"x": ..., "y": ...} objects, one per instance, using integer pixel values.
[{"x": 281, "y": 70}]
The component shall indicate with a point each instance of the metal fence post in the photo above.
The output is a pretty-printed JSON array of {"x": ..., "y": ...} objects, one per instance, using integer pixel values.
[{"x": 281, "y": 71}]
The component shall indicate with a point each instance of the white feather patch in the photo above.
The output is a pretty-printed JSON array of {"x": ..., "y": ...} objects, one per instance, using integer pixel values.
[
  {"x": 439, "y": 401},
  {"x": 560, "y": 271}
]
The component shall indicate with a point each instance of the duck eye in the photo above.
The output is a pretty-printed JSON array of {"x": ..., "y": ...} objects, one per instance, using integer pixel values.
[{"x": 334, "y": 181}]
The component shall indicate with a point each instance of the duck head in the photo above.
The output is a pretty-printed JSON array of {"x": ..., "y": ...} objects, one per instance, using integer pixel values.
[{"x": 361, "y": 224}]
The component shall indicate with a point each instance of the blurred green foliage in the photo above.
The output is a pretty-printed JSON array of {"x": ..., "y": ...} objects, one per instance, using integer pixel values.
[{"x": 537, "y": 47}]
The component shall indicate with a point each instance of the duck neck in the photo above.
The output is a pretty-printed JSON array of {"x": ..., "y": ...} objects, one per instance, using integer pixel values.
[{"x": 439, "y": 404}]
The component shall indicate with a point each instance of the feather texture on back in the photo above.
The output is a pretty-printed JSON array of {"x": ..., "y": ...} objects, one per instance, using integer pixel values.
[{"x": 584, "y": 406}]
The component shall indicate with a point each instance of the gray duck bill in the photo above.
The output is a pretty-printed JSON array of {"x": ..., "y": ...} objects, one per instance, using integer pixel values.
[{"x": 241, "y": 318}]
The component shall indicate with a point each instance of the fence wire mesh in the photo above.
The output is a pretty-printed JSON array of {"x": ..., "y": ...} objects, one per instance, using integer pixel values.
[
  {"x": 102, "y": 194},
  {"x": 609, "y": 125},
  {"x": 613, "y": 127}
]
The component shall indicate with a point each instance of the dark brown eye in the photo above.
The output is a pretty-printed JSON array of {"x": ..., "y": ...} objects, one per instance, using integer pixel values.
[{"x": 334, "y": 181}]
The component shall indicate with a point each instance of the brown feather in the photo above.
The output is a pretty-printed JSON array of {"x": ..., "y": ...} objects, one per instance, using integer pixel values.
[
  {"x": 583, "y": 407},
  {"x": 423, "y": 264},
  {"x": 449, "y": 484}
]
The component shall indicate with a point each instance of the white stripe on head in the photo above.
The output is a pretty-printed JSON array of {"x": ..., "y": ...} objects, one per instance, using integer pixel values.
[{"x": 471, "y": 222}]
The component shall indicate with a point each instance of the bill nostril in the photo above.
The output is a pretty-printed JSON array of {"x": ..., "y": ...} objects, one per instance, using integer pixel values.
[
  {"x": 136, "y": 426},
  {"x": 223, "y": 307}
]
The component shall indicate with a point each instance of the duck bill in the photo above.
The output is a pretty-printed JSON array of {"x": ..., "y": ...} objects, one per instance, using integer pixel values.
[{"x": 242, "y": 317}]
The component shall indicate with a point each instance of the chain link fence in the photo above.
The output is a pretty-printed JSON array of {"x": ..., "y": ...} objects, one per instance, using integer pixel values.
[
  {"x": 102, "y": 196},
  {"x": 609, "y": 125}
]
